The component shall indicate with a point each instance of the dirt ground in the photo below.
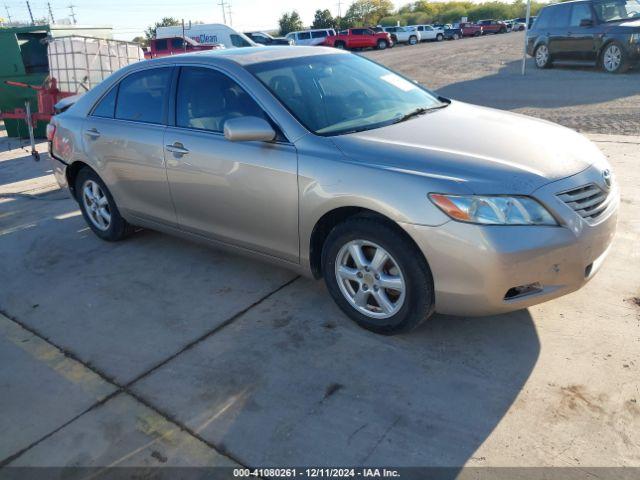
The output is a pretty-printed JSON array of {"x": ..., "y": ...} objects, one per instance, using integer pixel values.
[{"x": 487, "y": 71}]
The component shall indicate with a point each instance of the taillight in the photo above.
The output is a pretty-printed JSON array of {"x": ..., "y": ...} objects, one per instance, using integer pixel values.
[{"x": 51, "y": 131}]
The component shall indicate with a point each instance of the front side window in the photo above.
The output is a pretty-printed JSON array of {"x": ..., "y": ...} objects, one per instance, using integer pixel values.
[
  {"x": 209, "y": 108},
  {"x": 142, "y": 95},
  {"x": 107, "y": 105},
  {"x": 615, "y": 10},
  {"x": 161, "y": 45},
  {"x": 335, "y": 94},
  {"x": 177, "y": 43},
  {"x": 238, "y": 41}
]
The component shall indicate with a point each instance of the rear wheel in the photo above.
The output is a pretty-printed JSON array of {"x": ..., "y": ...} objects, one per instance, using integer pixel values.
[
  {"x": 439, "y": 37},
  {"x": 98, "y": 207},
  {"x": 413, "y": 40},
  {"x": 382, "y": 44},
  {"x": 477, "y": 34},
  {"x": 455, "y": 36},
  {"x": 340, "y": 45},
  {"x": 542, "y": 56},
  {"x": 377, "y": 276},
  {"x": 614, "y": 58}
]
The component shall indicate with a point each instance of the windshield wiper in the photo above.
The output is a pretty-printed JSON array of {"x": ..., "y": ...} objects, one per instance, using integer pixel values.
[{"x": 418, "y": 111}]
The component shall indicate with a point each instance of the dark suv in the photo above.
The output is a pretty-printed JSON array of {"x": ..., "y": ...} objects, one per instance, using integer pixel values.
[{"x": 602, "y": 32}]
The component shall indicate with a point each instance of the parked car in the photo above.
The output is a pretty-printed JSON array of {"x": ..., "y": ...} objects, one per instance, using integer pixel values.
[
  {"x": 492, "y": 26},
  {"x": 519, "y": 24},
  {"x": 207, "y": 34},
  {"x": 332, "y": 165},
  {"x": 402, "y": 35},
  {"x": 163, "y": 47},
  {"x": 359, "y": 38},
  {"x": 264, "y": 38},
  {"x": 429, "y": 32},
  {"x": 468, "y": 29},
  {"x": 602, "y": 32},
  {"x": 310, "y": 37}
]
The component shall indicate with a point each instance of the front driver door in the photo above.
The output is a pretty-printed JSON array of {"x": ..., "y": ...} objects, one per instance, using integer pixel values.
[
  {"x": 582, "y": 33},
  {"x": 242, "y": 193}
]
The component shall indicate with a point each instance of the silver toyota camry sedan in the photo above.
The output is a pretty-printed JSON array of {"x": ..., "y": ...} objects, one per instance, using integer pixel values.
[{"x": 406, "y": 203}]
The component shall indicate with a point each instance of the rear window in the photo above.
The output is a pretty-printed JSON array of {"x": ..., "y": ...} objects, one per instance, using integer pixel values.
[{"x": 142, "y": 96}]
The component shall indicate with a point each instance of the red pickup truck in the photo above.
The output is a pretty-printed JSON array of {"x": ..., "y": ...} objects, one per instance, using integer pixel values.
[
  {"x": 163, "y": 47},
  {"x": 359, "y": 38},
  {"x": 469, "y": 29},
  {"x": 492, "y": 26}
]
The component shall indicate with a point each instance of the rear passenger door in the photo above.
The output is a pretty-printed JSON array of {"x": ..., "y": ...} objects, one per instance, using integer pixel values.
[
  {"x": 241, "y": 193},
  {"x": 123, "y": 137},
  {"x": 559, "y": 39}
]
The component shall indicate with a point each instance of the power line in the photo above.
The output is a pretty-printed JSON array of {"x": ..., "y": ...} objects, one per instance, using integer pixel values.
[
  {"x": 30, "y": 13},
  {"x": 53, "y": 20},
  {"x": 73, "y": 14}
]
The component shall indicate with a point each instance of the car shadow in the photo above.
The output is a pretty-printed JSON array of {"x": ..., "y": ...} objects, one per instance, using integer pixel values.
[{"x": 561, "y": 86}]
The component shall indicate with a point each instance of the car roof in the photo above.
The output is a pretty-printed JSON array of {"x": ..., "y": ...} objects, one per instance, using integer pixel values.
[{"x": 250, "y": 55}]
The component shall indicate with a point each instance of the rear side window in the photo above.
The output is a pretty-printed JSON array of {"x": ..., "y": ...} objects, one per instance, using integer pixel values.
[
  {"x": 304, "y": 36},
  {"x": 209, "y": 108},
  {"x": 542, "y": 21},
  {"x": 320, "y": 34},
  {"x": 579, "y": 12},
  {"x": 161, "y": 44},
  {"x": 142, "y": 96},
  {"x": 107, "y": 105}
]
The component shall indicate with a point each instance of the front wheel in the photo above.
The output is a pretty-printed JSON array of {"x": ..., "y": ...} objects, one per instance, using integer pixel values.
[
  {"x": 382, "y": 44},
  {"x": 477, "y": 34},
  {"x": 542, "y": 56},
  {"x": 340, "y": 45},
  {"x": 455, "y": 36},
  {"x": 614, "y": 58},
  {"x": 98, "y": 207},
  {"x": 377, "y": 276}
]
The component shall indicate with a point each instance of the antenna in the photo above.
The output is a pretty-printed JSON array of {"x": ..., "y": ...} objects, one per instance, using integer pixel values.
[{"x": 73, "y": 14}]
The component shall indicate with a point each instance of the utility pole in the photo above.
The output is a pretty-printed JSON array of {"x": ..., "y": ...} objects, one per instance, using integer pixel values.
[
  {"x": 30, "y": 13},
  {"x": 8, "y": 14},
  {"x": 184, "y": 36},
  {"x": 73, "y": 14},
  {"x": 339, "y": 8},
  {"x": 53, "y": 20},
  {"x": 224, "y": 11},
  {"x": 229, "y": 13}
]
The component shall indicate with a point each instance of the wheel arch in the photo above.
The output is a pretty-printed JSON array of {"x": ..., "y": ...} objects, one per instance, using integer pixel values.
[
  {"x": 338, "y": 215},
  {"x": 72, "y": 172}
]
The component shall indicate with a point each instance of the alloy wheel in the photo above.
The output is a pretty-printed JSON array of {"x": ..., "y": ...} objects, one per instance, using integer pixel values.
[
  {"x": 542, "y": 56},
  {"x": 96, "y": 204},
  {"x": 370, "y": 279},
  {"x": 612, "y": 58}
]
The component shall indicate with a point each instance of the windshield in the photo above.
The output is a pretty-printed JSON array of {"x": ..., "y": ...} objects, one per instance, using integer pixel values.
[
  {"x": 338, "y": 93},
  {"x": 615, "y": 10}
]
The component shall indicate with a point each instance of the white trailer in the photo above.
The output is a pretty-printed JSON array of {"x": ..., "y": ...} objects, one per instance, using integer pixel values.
[{"x": 208, "y": 34}]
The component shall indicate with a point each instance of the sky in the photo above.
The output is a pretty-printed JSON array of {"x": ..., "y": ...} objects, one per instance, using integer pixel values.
[{"x": 129, "y": 18}]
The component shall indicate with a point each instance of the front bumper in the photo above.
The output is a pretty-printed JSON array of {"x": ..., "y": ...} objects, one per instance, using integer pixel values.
[{"x": 475, "y": 267}]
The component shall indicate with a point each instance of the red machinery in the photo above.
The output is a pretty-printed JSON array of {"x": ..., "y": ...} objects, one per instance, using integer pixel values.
[{"x": 48, "y": 96}]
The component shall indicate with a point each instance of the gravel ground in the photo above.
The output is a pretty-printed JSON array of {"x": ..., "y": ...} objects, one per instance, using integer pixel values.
[{"x": 486, "y": 71}]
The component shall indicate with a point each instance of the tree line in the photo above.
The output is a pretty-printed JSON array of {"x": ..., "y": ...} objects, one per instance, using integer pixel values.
[{"x": 381, "y": 12}]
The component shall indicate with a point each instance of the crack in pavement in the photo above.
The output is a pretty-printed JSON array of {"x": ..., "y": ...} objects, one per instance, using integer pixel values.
[{"x": 126, "y": 388}]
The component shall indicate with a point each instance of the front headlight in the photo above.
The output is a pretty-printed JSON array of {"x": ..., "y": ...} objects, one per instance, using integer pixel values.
[{"x": 493, "y": 210}]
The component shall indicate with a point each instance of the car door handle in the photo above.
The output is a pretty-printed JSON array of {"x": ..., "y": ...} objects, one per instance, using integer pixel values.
[
  {"x": 177, "y": 148},
  {"x": 92, "y": 132}
]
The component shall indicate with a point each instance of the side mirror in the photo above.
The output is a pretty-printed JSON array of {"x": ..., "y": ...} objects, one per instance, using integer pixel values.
[
  {"x": 586, "y": 22},
  {"x": 248, "y": 129}
]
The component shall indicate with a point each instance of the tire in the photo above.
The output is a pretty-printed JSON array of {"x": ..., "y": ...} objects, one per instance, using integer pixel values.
[
  {"x": 542, "y": 56},
  {"x": 439, "y": 37},
  {"x": 614, "y": 58},
  {"x": 115, "y": 227},
  {"x": 502, "y": 30},
  {"x": 340, "y": 45},
  {"x": 382, "y": 44},
  {"x": 455, "y": 36},
  {"x": 394, "y": 39},
  {"x": 406, "y": 267},
  {"x": 477, "y": 34},
  {"x": 413, "y": 40}
]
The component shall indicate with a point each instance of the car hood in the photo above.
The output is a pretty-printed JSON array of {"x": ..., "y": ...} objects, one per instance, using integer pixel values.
[{"x": 486, "y": 150}]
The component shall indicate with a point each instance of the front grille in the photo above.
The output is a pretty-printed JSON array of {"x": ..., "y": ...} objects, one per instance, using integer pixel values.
[{"x": 588, "y": 201}]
